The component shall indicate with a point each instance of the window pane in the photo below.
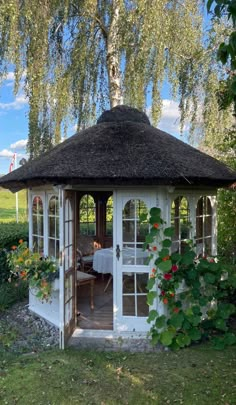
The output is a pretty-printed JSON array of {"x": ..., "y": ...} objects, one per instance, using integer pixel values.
[
  {"x": 128, "y": 283},
  {"x": 142, "y": 306},
  {"x": 128, "y": 305},
  {"x": 51, "y": 248},
  {"x": 128, "y": 231},
  {"x": 129, "y": 254},
  {"x": 129, "y": 210},
  {"x": 52, "y": 226},
  {"x": 142, "y": 280}
]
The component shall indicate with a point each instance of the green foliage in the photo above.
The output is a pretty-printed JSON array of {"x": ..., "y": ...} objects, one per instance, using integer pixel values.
[
  {"x": 13, "y": 292},
  {"x": 201, "y": 307},
  {"x": 226, "y": 51},
  {"x": 39, "y": 272},
  {"x": 11, "y": 233}
]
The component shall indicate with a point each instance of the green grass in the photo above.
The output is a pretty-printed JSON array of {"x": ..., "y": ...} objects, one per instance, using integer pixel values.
[
  {"x": 197, "y": 375},
  {"x": 8, "y": 206}
]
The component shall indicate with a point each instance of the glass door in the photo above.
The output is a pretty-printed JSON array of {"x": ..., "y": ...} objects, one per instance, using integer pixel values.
[
  {"x": 132, "y": 270},
  {"x": 69, "y": 266}
]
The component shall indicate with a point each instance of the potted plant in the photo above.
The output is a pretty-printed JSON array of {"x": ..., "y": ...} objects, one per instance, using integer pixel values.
[{"x": 40, "y": 272}]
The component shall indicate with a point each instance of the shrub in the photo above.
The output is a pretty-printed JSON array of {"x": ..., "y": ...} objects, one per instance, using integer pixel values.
[
  {"x": 10, "y": 234},
  {"x": 194, "y": 291},
  {"x": 12, "y": 292}
]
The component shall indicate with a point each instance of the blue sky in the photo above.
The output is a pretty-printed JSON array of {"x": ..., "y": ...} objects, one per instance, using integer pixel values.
[{"x": 14, "y": 121}]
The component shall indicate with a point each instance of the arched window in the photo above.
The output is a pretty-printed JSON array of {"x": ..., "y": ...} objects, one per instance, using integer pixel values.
[
  {"x": 204, "y": 226},
  {"x": 38, "y": 229},
  {"x": 180, "y": 222},
  {"x": 53, "y": 227},
  {"x": 109, "y": 216},
  {"x": 87, "y": 215}
]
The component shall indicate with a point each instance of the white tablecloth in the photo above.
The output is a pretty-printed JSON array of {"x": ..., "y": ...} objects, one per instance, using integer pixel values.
[{"x": 103, "y": 259}]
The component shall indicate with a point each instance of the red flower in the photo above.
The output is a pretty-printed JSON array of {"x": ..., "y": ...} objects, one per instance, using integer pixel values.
[
  {"x": 14, "y": 247},
  {"x": 167, "y": 276},
  {"x": 172, "y": 294},
  {"x": 165, "y": 301},
  {"x": 176, "y": 310},
  {"x": 163, "y": 293},
  {"x": 154, "y": 248},
  {"x": 174, "y": 268},
  {"x": 156, "y": 226},
  {"x": 165, "y": 258},
  {"x": 153, "y": 270}
]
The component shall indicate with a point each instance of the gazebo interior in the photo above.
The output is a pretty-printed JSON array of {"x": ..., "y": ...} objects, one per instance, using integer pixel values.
[{"x": 94, "y": 231}]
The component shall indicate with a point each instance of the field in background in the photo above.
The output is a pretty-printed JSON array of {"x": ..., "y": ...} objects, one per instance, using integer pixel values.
[{"x": 8, "y": 206}]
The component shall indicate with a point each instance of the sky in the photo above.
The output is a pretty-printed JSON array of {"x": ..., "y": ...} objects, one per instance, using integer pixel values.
[{"x": 14, "y": 122}]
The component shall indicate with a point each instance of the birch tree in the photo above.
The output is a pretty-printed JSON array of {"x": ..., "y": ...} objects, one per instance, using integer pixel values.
[{"x": 80, "y": 57}]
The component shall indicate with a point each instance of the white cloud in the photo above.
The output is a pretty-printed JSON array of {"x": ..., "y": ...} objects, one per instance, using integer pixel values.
[
  {"x": 19, "y": 144},
  {"x": 19, "y": 103},
  {"x": 6, "y": 153},
  {"x": 9, "y": 76},
  {"x": 170, "y": 117}
]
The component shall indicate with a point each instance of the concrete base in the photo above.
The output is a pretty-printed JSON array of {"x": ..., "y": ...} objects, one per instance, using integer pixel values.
[{"x": 110, "y": 341}]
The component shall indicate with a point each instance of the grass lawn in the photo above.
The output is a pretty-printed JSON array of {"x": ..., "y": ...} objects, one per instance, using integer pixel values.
[
  {"x": 8, "y": 206},
  {"x": 198, "y": 375}
]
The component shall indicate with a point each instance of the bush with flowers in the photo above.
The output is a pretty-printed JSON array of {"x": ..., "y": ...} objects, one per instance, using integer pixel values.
[
  {"x": 193, "y": 290},
  {"x": 38, "y": 271}
]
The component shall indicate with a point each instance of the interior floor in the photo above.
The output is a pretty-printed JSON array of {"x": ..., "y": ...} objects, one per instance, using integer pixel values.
[{"x": 101, "y": 317}]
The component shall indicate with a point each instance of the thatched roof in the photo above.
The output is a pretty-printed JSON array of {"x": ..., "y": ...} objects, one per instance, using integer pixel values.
[{"x": 122, "y": 149}]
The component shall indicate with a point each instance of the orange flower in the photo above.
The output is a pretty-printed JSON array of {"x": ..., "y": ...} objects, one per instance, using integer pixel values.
[
  {"x": 152, "y": 275},
  {"x": 21, "y": 241},
  {"x": 172, "y": 294},
  {"x": 156, "y": 226},
  {"x": 23, "y": 274},
  {"x": 44, "y": 283},
  {"x": 165, "y": 258},
  {"x": 14, "y": 247},
  {"x": 165, "y": 301},
  {"x": 153, "y": 270}
]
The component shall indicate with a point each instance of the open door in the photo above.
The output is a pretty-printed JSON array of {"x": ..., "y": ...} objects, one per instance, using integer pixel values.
[
  {"x": 68, "y": 268},
  {"x": 132, "y": 270}
]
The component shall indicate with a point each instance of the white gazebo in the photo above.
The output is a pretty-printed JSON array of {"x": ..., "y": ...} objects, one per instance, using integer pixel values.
[{"x": 85, "y": 200}]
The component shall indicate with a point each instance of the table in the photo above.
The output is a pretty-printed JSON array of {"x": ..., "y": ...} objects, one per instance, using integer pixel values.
[{"x": 103, "y": 260}]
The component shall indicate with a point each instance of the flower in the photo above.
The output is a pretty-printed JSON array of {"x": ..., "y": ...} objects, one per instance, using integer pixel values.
[
  {"x": 165, "y": 258},
  {"x": 40, "y": 272},
  {"x": 156, "y": 226},
  {"x": 153, "y": 270},
  {"x": 13, "y": 247},
  {"x": 174, "y": 268},
  {"x": 172, "y": 294},
  {"x": 176, "y": 310},
  {"x": 154, "y": 248},
  {"x": 165, "y": 301},
  {"x": 167, "y": 276},
  {"x": 163, "y": 293}
]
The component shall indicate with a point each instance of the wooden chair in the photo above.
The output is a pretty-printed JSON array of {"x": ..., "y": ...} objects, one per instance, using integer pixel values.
[
  {"x": 85, "y": 251},
  {"x": 83, "y": 279}
]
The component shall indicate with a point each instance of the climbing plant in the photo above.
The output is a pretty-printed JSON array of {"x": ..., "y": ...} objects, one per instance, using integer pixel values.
[{"x": 193, "y": 291}]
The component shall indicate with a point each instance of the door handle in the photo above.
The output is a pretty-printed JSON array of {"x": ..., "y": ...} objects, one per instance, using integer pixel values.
[{"x": 117, "y": 252}]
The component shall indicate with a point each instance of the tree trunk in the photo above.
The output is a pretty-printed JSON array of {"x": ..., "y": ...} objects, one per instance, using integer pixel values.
[{"x": 113, "y": 58}]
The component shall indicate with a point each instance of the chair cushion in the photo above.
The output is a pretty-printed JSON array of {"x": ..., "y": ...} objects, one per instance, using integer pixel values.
[
  {"x": 84, "y": 276},
  {"x": 87, "y": 259}
]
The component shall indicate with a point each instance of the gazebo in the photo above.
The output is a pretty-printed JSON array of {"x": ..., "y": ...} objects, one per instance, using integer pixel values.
[{"x": 85, "y": 200}]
